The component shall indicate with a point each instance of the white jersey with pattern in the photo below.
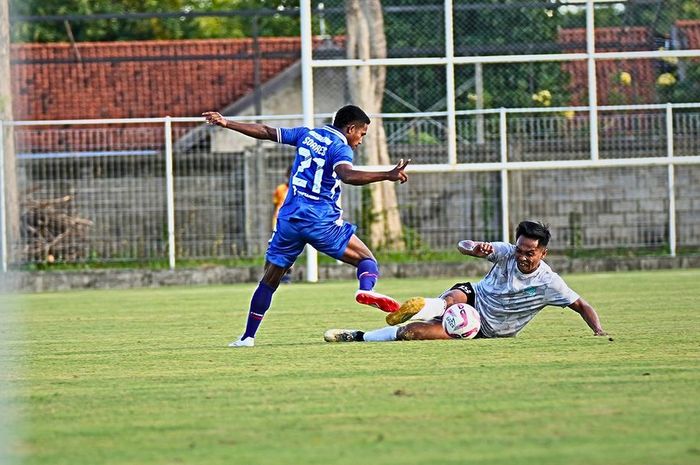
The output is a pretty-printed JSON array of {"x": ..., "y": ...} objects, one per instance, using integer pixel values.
[{"x": 508, "y": 299}]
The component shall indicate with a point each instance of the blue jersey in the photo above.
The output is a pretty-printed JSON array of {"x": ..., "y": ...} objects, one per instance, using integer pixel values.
[{"x": 314, "y": 188}]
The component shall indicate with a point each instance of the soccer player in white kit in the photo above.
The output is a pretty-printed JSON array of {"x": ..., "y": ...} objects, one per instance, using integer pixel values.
[{"x": 518, "y": 286}]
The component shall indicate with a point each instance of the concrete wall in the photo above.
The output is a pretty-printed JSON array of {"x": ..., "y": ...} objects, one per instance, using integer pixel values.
[
  {"x": 284, "y": 98},
  {"x": 44, "y": 281},
  {"x": 223, "y": 207}
]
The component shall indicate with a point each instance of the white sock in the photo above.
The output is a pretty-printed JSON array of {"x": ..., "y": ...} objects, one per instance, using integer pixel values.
[
  {"x": 388, "y": 333},
  {"x": 433, "y": 308}
]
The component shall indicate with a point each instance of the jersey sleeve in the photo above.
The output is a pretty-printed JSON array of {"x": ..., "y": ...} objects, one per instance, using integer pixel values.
[
  {"x": 559, "y": 294},
  {"x": 341, "y": 154},
  {"x": 500, "y": 251},
  {"x": 291, "y": 136}
]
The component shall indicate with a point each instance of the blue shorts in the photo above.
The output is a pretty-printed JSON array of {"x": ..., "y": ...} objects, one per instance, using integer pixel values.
[{"x": 290, "y": 237}]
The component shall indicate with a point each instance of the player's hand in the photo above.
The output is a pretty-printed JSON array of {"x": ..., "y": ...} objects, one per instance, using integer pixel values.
[
  {"x": 475, "y": 249},
  {"x": 215, "y": 118},
  {"x": 466, "y": 247},
  {"x": 483, "y": 249},
  {"x": 398, "y": 174},
  {"x": 600, "y": 332}
]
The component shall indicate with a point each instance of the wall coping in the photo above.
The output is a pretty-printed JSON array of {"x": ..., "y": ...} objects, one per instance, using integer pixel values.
[{"x": 48, "y": 281}]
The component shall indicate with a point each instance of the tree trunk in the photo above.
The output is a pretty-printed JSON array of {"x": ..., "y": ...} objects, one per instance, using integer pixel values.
[
  {"x": 11, "y": 207},
  {"x": 365, "y": 40}
]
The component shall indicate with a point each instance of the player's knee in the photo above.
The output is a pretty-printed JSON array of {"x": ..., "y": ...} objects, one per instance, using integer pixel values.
[
  {"x": 454, "y": 297},
  {"x": 401, "y": 333},
  {"x": 272, "y": 276},
  {"x": 407, "y": 333},
  {"x": 271, "y": 282}
]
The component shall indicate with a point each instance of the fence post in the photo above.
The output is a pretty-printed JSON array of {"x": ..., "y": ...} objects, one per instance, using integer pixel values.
[
  {"x": 479, "y": 90},
  {"x": 450, "y": 84},
  {"x": 505, "y": 204},
  {"x": 671, "y": 182},
  {"x": 170, "y": 190},
  {"x": 307, "y": 97},
  {"x": 3, "y": 206},
  {"x": 592, "y": 79}
]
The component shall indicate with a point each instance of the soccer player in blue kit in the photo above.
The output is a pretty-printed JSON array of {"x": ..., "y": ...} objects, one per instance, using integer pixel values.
[{"x": 311, "y": 213}]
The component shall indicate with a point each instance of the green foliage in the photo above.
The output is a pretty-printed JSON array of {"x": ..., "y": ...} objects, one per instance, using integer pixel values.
[
  {"x": 269, "y": 23},
  {"x": 513, "y": 85},
  {"x": 660, "y": 15},
  {"x": 508, "y": 31},
  {"x": 492, "y": 27},
  {"x": 416, "y": 137},
  {"x": 421, "y": 86},
  {"x": 143, "y": 376},
  {"x": 685, "y": 88}
]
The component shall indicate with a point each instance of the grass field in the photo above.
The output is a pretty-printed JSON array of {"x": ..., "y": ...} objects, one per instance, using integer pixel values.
[{"x": 144, "y": 377}]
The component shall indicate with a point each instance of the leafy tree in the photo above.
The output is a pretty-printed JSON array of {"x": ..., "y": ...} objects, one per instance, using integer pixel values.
[
  {"x": 505, "y": 29},
  {"x": 272, "y": 20},
  {"x": 677, "y": 81},
  {"x": 659, "y": 15},
  {"x": 366, "y": 39}
]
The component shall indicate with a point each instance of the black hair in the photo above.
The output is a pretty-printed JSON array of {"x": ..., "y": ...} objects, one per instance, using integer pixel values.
[
  {"x": 349, "y": 114},
  {"x": 534, "y": 230}
]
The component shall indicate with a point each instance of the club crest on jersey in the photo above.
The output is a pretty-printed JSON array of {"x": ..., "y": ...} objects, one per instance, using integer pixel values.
[{"x": 530, "y": 291}]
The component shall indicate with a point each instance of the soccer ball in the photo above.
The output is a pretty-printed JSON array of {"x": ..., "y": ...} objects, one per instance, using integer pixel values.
[{"x": 461, "y": 321}]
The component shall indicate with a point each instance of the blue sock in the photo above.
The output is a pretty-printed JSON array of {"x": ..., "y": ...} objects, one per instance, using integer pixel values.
[
  {"x": 259, "y": 303},
  {"x": 367, "y": 274}
]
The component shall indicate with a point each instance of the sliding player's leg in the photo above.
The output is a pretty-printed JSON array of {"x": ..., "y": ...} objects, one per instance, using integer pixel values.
[
  {"x": 422, "y": 331},
  {"x": 427, "y": 308},
  {"x": 417, "y": 331}
]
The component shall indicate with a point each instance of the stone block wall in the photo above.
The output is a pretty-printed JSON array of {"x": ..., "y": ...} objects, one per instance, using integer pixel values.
[{"x": 223, "y": 205}]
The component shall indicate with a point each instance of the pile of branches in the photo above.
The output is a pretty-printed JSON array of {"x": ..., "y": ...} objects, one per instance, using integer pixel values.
[{"x": 51, "y": 231}]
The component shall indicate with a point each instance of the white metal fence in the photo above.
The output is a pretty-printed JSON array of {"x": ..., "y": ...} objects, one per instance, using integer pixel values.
[
  {"x": 162, "y": 189},
  {"x": 133, "y": 191}
]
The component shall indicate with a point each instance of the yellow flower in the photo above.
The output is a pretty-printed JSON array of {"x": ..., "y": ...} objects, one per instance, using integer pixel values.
[
  {"x": 569, "y": 114},
  {"x": 471, "y": 97},
  {"x": 625, "y": 78},
  {"x": 543, "y": 97},
  {"x": 671, "y": 60},
  {"x": 666, "y": 79}
]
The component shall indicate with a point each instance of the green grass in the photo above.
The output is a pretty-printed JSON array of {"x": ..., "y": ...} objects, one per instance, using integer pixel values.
[{"x": 144, "y": 377}]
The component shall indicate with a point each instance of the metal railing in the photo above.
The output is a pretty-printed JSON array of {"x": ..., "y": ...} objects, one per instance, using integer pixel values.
[{"x": 163, "y": 201}]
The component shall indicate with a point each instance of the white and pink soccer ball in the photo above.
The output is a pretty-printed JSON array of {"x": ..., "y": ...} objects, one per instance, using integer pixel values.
[{"x": 461, "y": 321}]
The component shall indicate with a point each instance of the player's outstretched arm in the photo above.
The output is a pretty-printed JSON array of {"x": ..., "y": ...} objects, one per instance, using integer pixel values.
[
  {"x": 474, "y": 248},
  {"x": 349, "y": 175},
  {"x": 255, "y": 130},
  {"x": 589, "y": 315}
]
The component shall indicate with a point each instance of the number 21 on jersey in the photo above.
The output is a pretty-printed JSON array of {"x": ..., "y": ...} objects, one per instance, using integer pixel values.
[{"x": 298, "y": 180}]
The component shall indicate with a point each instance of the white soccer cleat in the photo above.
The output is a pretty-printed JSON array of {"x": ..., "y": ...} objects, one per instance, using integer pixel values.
[
  {"x": 247, "y": 342},
  {"x": 375, "y": 299},
  {"x": 342, "y": 335}
]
